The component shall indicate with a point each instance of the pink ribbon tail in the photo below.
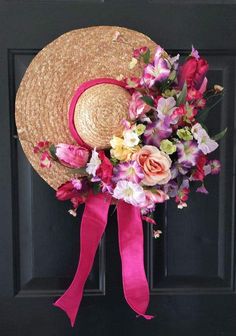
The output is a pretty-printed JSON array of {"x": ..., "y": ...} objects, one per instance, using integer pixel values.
[
  {"x": 92, "y": 228},
  {"x": 134, "y": 279}
]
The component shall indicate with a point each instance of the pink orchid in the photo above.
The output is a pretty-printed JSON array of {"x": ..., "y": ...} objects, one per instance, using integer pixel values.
[
  {"x": 137, "y": 107},
  {"x": 71, "y": 155}
]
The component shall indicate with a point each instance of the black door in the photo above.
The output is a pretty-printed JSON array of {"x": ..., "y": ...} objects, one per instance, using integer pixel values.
[{"x": 191, "y": 268}]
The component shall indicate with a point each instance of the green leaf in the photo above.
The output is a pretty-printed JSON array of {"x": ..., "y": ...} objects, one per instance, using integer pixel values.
[
  {"x": 220, "y": 135},
  {"x": 148, "y": 100},
  {"x": 182, "y": 97},
  {"x": 114, "y": 161},
  {"x": 52, "y": 150},
  {"x": 201, "y": 117},
  {"x": 146, "y": 56},
  {"x": 95, "y": 187}
]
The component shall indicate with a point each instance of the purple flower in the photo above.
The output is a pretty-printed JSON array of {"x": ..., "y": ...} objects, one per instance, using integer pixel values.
[
  {"x": 157, "y": 131},
  {"x": 158, "y": 71},
  {"x": 194, "y": 53},
  {"x": 205, "y": 143},
  {"x": 187, "y": 153},
  {"x": 202, "y": 189},
  {"x": 129, "y": 171},
  {"x": 178, "y": 168},
  {"x": 171, "y": 188}
]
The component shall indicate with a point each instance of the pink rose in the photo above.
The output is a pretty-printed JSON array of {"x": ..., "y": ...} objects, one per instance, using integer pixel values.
[
  {"x": 72, "y": 156},
  {"x": 155, "y": 164},
  {"x": 137, "y": 107}
]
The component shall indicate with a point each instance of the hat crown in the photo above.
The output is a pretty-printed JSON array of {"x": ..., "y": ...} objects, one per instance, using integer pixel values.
[{"x": 99, "y": 112}]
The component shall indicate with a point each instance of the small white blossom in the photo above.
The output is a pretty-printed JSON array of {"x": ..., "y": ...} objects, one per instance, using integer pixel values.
[
  {"x": 93, "y": 164},
  {"x": 131, "y": 138}
]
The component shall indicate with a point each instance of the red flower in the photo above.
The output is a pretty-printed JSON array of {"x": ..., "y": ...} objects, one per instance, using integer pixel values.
[
  {"x": 182, "y": 195},
  {"x": 66, "y": 191},
  {"x": 199, "y": 173},
  {"x": 104, "y": 171},
  {"x": 193, "y": 72}
]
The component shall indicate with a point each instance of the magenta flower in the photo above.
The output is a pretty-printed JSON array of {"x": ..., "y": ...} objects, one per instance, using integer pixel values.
[
  {"x": 157, "y": 131},
  {"x": 129, "y": 171},
  {"x": 137, "y": 106},
  {"x": 156, "y": 72},
  {"x": 213, "y": 167},
  {"x": 71, "y": 155},
  {"x": 187, "y": 152}
]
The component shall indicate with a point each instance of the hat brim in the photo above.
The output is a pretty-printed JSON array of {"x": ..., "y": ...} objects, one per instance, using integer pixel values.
[{"x": 46, "y": 90}]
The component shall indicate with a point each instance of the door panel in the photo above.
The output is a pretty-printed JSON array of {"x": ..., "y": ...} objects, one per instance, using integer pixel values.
[{"x": 191, "y": 268}]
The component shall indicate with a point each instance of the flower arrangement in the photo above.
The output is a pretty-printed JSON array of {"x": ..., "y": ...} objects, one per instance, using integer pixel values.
[{"x": 165, "y": 145}]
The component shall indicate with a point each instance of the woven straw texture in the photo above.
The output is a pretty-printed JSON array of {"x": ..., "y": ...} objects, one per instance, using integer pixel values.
[
  {"x": 46, "y": 90},
  {"x": 99, "y": 112}
]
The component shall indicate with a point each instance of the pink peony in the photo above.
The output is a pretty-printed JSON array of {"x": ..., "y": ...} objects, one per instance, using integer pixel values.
[{"x": 71, "y": 155}]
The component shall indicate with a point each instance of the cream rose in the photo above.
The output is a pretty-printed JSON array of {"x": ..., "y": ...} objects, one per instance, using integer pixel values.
[{"x": 155, "y": 164}]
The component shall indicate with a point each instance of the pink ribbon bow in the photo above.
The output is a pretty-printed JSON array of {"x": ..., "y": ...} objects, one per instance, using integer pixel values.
[{"x": 93, "y": 225}]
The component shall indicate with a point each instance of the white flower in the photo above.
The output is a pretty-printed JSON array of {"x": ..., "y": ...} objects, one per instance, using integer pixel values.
[
  {"x": 72, "y": 212},
  {"x": 205, "y": 143},
  {"x": 130, "y": 192},
  {"x": 93, "y": 164},
  {"x": 182, "y": 205},
  {"x": 131, "y": 138},
  {"x": 165, "y": 107},
  {"x": 157, "y": 233}
]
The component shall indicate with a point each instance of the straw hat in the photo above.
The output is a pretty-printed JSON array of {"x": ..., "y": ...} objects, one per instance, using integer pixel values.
[{"x": 45, "y": 93}]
